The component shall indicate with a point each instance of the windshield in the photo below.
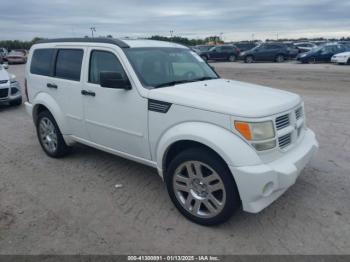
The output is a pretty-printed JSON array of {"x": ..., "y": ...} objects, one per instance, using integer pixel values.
[{"x": 160, "y": 67}]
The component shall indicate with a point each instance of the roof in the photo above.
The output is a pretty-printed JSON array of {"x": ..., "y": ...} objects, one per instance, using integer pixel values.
[{"x": 114, "y": 41}]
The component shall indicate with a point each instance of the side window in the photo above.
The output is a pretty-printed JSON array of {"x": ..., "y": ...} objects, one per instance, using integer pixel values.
[
  {"x": 227, "y": 49},
  {"x": 41, "y": 63},
  {"x": 68, "y": 64},
  {"x": 103, "y": 61}
]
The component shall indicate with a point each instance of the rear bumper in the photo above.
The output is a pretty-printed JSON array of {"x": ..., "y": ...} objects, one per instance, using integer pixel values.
[
  {"x": 29, "y": 108},
  {"x": 260, "y": 185}
]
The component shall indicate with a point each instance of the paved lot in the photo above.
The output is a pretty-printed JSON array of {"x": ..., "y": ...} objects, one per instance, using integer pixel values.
[{"x": 71, "y": 205}]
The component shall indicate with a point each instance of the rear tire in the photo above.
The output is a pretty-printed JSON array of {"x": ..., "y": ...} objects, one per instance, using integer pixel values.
[
  {"x": 249, "y": 59},
  {"x": 16, "y": 102},
  {"x": 49, "y": 135},
  {"x": 348, "y": 61},
  {"x": 190, "y": 180}
]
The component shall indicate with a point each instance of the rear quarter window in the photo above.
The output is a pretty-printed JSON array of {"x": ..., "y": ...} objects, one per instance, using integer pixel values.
[
  {"x": 68, "y": 64},
  {"x": 41, "y": 63}
]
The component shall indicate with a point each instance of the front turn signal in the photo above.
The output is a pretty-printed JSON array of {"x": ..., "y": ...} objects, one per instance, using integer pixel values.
[{"x": 244, "y": 129}]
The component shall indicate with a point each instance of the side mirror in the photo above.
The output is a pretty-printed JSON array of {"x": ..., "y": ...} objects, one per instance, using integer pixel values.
[
  {"x": 114, "y": 80},
  {"x": 5, "y": 65}
]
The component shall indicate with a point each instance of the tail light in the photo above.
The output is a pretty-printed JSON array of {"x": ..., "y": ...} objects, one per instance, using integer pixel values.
[{"x": 26, "y": 89}]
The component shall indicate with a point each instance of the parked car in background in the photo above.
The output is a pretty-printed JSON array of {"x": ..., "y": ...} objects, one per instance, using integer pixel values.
[
  {"x": 304, "y": 46},
  {"x": 10, "y": 90},
  {"x": 341, "y": 58},
  {"x": 16, "y": 57},
  {"x": 201, "y": 48},
  {"x": 245, "y": 46},
  {"x": 322, "y": 53},
  {"x": 221, "y": 53},
  {"x": 225, "y": 146},
  {"x": 275, "y": 52},
  {"x": 293, "y": 51}
]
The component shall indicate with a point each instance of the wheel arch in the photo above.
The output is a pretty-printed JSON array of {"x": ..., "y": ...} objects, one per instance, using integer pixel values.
[
  {"x": 45, "y": 102},
  {"x": 228, "y": 146}
]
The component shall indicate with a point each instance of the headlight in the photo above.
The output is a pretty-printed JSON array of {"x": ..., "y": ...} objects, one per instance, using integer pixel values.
[
  {"x": 255, "y": 131},
  {"x": 261, "y": 134}
]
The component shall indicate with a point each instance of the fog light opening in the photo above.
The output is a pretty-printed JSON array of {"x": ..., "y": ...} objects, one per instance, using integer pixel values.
[{"x": 268, "y": 189}]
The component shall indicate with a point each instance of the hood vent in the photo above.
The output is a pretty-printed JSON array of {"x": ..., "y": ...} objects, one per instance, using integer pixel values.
[{"x": 158, "y": 106}]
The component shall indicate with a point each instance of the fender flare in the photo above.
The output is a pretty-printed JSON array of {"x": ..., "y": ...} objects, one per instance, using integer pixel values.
[
  {"x": 50, "y": 103},
  {"x": 230, "y": 147}
]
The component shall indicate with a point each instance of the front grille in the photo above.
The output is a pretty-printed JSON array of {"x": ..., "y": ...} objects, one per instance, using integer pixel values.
[
  {"x": 299, "y": 113},
  {"x": 4, "y": 92},
  {"x": 3, "y": 82},
  {"x": 285, "y": 140},
  {"x": 282, "y": 121}
]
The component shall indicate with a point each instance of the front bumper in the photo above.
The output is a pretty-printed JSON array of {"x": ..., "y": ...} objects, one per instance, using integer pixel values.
[
  {"x": 260, "y": 185},
  {"x": 6, "y": 94}
]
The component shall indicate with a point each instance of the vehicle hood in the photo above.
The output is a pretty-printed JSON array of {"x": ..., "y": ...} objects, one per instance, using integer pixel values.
[
  {"x": 229, "y": 97},
  {"x": 4, "y": 75}
]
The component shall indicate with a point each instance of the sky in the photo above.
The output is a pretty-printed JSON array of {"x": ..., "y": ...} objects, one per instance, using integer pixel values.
[{"x": 234, "y": 20}]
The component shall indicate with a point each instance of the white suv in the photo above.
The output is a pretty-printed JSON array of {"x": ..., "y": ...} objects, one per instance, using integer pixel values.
[{"x": 218, "y": 144}]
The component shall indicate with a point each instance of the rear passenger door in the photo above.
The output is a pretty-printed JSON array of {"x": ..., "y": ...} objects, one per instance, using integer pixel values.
[
  {"x": 66, "y": 86},
  {"x": 57, "y": 72}
]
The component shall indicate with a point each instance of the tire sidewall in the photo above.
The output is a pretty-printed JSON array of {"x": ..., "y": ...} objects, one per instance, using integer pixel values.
[
  {"x": 62, "y": 148},
  {"x": 210, "y": 159}
]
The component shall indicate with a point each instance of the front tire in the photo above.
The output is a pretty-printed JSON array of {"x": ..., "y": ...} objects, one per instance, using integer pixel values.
[
  {"x": 201, "y": 186},
  {"x": 49, "y": 135}
]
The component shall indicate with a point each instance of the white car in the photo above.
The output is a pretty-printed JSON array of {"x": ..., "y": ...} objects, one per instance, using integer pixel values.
[
  {"x": 218, "y": 144},
  {"x": 341, "y": 58},
  {"x": 10, "y": 90}
]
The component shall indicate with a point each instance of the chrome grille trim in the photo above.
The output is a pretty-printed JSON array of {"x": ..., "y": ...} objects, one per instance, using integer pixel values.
[
  {"x": 282, "y": 121},
  {"x": 299, "y": 113},
  {"x": 285, "y": 140}
]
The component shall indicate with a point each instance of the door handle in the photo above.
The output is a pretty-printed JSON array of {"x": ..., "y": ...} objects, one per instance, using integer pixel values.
[
  {"x": 87, "y": 93},
  {"x": 49, "y": 85}
]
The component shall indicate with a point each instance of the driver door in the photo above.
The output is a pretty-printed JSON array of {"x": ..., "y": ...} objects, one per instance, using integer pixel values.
[{"x": 116, "y": 119}]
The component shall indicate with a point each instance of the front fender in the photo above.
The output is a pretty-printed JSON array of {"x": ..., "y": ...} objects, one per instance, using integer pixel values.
[
  {"x": 51, "y": 104},
  {"x": 229, "y": 146}
]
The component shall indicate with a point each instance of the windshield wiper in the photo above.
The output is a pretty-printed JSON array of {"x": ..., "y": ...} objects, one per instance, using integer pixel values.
[
  {"x": 203, "y": 78},
  {"x": 172, "y": 83}
]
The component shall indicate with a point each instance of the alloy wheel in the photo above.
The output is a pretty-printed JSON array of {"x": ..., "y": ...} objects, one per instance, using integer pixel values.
[
  {"x": 48, "y": 134},
  {"x": 199, "y": 189}
]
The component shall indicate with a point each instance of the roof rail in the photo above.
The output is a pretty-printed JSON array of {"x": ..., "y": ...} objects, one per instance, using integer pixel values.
[{"x": 112, "y": 41}]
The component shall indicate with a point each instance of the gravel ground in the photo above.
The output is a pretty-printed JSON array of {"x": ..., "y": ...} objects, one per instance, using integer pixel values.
[{"x": 71, "y": 205}]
